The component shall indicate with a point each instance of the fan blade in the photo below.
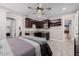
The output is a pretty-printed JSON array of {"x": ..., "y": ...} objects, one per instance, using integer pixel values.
[
  {"x": 48, "y": 8},
  {"x": 30, "y": 8}
]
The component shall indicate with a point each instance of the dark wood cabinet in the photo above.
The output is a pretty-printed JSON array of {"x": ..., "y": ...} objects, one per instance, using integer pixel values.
[
  {"x": 39, "y": 25},
  {"x": 46, "y": 23},
  {"x": 42, "y": 24},
  {"x": 38, "y": 34},
  {"x": 47, "y": 35},
  {"x": 28, "y": 23},
  {"x": 42, "y": 35},
  {"x": 27, "y": 33},
  {"x": 56, "y": 22}
]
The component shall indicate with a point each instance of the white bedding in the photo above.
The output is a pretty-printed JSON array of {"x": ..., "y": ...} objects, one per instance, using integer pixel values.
[
  {"x": 6, "y": 51},
  {"x": 4, "y": 48},
  {"x": 36, "y": 45}
]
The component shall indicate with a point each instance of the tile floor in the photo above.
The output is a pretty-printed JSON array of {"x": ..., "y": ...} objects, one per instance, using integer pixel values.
[{"x": 59, "y": 48}]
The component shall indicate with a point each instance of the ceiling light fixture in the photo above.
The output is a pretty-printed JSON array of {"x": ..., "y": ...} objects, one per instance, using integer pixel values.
[
  {"x": 63, "y": 9},
  {"x": 39, "y": 9}
]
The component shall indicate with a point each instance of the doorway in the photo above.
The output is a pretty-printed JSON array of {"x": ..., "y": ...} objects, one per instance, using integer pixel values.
[{"x": 10, "y": 28}]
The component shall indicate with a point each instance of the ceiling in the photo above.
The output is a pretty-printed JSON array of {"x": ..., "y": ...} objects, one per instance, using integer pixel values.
[{"x": 57, "y": 9}]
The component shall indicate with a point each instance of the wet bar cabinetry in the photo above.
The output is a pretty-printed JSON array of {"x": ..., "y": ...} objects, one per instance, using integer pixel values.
[
  {"x": 28, "y": 23},
  {"x": 39, "y": 24}
]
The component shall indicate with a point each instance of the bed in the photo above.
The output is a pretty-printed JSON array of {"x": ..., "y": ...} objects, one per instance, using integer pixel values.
[{"x": 25, "y": 46}]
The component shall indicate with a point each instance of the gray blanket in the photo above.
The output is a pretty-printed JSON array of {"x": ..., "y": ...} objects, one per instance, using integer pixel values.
[
  {"x": 45, "y": 49},
  {"x": 36, "y": 39}
]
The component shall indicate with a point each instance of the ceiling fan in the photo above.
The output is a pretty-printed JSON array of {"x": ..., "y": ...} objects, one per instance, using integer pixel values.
[{"x": 39, "y": 9}]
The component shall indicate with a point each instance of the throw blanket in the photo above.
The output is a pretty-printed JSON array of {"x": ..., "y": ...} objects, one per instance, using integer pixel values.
[{"x": 45, "y": 49}]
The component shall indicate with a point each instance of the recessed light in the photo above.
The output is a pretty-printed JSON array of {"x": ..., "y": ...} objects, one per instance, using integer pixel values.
[{"x": 64, "y": 9}]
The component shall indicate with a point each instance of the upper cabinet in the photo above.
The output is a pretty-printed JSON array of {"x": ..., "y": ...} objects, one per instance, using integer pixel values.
[
  {"x": 28, "y": 23},
  {"x": 39, "y": 24},
  {"x": 46, "y": 23},
  {"x": 56, "y": 22},
  {"x": 43, "y": 24}
]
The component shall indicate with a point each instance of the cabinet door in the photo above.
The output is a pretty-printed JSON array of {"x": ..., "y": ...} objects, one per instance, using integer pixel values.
[
  {"x": 46, "y": 23},
  {"x": 28, "y": 23},
  {"x": 39, "y": 25}
]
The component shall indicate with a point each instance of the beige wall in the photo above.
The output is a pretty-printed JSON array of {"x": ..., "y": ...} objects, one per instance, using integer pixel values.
[
  {"x": 56, "y": 33},
  {"x": 2, "y": 24}
]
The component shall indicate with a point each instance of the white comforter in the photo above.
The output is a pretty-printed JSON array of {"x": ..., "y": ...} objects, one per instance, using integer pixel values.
[
  {"x": 4, "y": 48},
  {"x": 36, "y": 45},
  {"x": 6, "y": 51}
]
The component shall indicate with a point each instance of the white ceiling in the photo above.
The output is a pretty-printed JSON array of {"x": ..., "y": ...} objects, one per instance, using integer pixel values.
[{"x": 56, "y": 10}]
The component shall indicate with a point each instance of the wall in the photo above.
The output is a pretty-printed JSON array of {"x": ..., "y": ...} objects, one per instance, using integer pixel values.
[
  {"x": 2, "y": 24},
  {"x": 19, "y": 22},
  {"x": 56, "y": 33},
  {"x": 8, "y": 23},
  {"x": 23, "y": 25},
  {"x": 75, "y": 26}
]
